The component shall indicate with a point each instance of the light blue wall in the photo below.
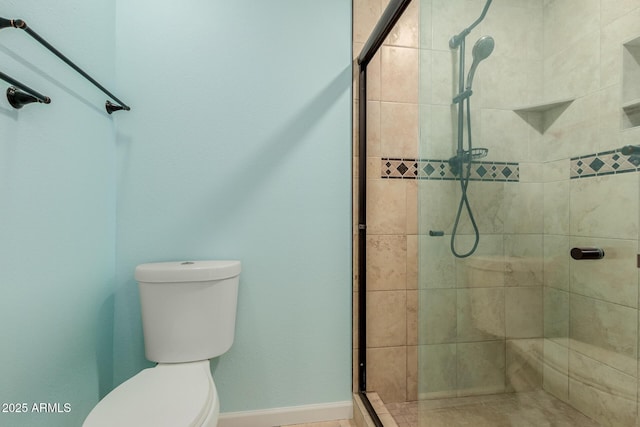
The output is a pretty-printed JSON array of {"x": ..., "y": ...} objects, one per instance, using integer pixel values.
[
  {"x": 239, "y": 146},
  {"x": 57, "y": 214}
]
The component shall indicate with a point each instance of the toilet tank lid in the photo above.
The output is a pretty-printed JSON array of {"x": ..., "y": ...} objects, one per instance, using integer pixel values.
[{"x": 186, "y": 271}]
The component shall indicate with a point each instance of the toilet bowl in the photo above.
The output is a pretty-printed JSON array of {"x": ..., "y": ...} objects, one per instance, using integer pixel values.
[
  {"x": 180, "y": 394},
  {"x": 188, "y": 316}
]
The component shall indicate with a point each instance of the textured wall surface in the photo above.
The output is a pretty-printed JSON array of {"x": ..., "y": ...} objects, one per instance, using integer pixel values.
[
  {"x": 237, "y": 147},
  {"x": 57, "y": 216}
]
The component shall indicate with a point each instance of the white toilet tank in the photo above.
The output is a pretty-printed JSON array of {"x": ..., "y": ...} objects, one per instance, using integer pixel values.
[{"x": 188, "y": 309}]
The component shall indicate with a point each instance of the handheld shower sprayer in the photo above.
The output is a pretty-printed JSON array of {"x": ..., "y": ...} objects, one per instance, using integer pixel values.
[
  {"x": 460, "y": 164},
  {"x": 481, "y": 50}
]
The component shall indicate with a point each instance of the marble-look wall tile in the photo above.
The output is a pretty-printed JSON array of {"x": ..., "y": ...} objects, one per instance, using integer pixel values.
[
  {"x": 425, "y": 86},
  {"x": 516, "y": 30},
  {"x": 437, "y": 132},
  {"x": 535, "y": 82},
  {"x": 572, "y": 134},
  {"x": 556, "y": 261},
  {"x": 437, "y": 264},
  {"x": 480, "y": 314},
  {"x": 399, "y": 129},
  {"x": 487, "y": 200},
  {"x": 436, "y": 206},
  {"x": 373, "y": 166},
  {"x": 486, "y": 267},
  {"x": 613, "y": 35},
  {"x": 426, "y": 24},
  {"x": 522, "y": 206},
  {"x": 481, "y": 368},
  {"x": 374, "y": 78},
  {"x": 556, "y": 207},
  {"x": 631, "y": 136},
  {"x": 613, "y": 9},
  {"x": 412, "y": 261},
  {"x": 556, "y": 316},
  {"x": 437, "y": 374},
  {"x": 613, "y": 278},
  {"x": 373, "y": 129},
  {"x": 412, "y": 317},
  {"x": 600, "y": 206},
  {"x": 406, "y": 32},
  {"x": 387, "y": 373},
  {"x": 386, "y": 207},
  {"x": 523, "y": 259},
  {"x": 523, "y": 312},
  {"x": 411, "y": 188},
  {"x": 526, "y": 4},
  {"x": 556, "y": 370},
  {"x": 557, "y": 170},
  {"x": 567, "y": 21},
  {"x": 399, "y": 74},
  {"x": 575, "y": 71},
  {"x": 443, "y": 77},
  {"x": 504, "y": 133},
  {"x": 603, "y": 393},
  {"x": 437, "y": 316},
  {"x": 506, "y": 84},
  {"x": 386, "y": 262},
  {"x": 609, "y": 123},
  {"x": 386, "y": 318},
  {"x": 605, "y": 332},
  {"x": 524, "y": 365},
  {"x": 531, "y": 172},
  {"x": 412, "y": 373},
  {"x": 365, "y": 15}
]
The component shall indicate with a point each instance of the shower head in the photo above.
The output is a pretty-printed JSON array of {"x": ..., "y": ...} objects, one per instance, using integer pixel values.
[{"x": 481, "y": 50}]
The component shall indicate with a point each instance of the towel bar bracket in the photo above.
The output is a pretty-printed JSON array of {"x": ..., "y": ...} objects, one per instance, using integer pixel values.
[{"x": 20, "y": 24}]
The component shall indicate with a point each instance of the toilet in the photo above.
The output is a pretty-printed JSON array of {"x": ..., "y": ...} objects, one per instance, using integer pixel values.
[{"x": 188, "y": 317}]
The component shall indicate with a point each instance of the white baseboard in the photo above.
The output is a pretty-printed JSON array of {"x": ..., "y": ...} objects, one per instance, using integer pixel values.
[{"x": 291, "y": 415}]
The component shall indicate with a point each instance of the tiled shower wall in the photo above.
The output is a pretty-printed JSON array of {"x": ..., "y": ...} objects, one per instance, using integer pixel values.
[
  {"x": 520, "y": 304},
  {"x": 591, "y": 308},
  {"x": 481, "y": 318},
  {"x": 392, "y": 130}
]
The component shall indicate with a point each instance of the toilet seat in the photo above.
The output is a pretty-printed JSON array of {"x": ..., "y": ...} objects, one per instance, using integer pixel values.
[{"x": 169, "y": 395}]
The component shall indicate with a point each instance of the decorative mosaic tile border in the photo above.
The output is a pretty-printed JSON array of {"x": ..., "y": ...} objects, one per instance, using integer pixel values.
[
  {"x": 605, "y": 163},
  {"x": 440, "y": 170},
  {"x": 589, "y": 165}
]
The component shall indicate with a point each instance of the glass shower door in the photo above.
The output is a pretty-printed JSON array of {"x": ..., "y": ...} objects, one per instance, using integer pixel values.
[{"x": 519, "y": 332}]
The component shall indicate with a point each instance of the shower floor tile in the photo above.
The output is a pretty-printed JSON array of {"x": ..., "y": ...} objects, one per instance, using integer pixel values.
[{"x": 530, "y": 409}]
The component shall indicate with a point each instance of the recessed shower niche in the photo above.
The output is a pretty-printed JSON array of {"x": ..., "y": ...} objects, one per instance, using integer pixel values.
[{"x": 631, "y": 84}]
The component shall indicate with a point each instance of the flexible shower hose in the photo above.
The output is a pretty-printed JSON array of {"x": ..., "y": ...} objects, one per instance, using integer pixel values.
[{"x": 464, "y": 183}]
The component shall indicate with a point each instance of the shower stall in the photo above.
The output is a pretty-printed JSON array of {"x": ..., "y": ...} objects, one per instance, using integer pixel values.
[{"x": 482, "y": 192}]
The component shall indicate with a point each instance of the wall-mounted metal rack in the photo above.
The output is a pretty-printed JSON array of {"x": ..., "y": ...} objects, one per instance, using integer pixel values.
[{"x": 21, "y": 98}]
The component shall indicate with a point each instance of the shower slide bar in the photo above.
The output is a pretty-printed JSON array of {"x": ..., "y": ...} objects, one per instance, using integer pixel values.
[
  {"x": 17, "y": 98},
  {"x": 20, "y": 24}
]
